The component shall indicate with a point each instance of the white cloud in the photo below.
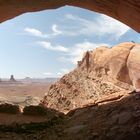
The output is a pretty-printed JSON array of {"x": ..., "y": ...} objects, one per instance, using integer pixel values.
[
  {"x": 49, "y": 46},
  {"x": 55, "y": 30},
  {"x": 38, "y": 33},
  {"x": 63, "y": 71},
  {"x": 71, "y": 54},
  {"x": 60, "y": 73},
  {"x": 100, "y": 26},
  {"x": 110, "y": 25},
  {"x": 76, "y": 52},
  {"x": 48, "y": 73},
  {"x": 70, "y": 16},
  {"x": 35, "y": 32}
]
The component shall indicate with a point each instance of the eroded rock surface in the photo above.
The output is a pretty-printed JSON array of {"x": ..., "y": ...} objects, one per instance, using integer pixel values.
[
  {"x": 119, "y": 9},
  {"x": 103, "y": 74},
  {"x": 118, "y": 120}
]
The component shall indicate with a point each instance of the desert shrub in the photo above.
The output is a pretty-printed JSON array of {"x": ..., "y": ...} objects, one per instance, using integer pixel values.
[{"x": 9, "y": 108}]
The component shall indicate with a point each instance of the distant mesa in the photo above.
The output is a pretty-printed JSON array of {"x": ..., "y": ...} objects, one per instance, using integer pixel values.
[
  {"x": 27, "y": 78},
  {"x": 12, "y": 79}
]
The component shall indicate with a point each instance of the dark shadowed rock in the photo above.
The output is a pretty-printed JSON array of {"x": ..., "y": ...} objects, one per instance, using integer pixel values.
[
  {"x": 9, "y": 108},
  {"x": 40, "y": 111}
]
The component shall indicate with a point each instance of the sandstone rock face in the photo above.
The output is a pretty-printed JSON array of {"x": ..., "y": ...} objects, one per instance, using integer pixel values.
[
  {"x": 121, "y": 10},
  {"x": 134, "y": 66},
  {"x": 103, "y": 72}
]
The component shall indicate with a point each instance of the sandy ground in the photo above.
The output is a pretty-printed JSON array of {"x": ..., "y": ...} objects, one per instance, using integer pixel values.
[{"x": 23, "y": 93}]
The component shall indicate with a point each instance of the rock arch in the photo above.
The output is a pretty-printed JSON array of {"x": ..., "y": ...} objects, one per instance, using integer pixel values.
[{"x": 126, "y": 11}]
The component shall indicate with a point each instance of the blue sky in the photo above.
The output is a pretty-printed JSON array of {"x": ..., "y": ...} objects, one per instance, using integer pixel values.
[{"x": 49, "y": 43}]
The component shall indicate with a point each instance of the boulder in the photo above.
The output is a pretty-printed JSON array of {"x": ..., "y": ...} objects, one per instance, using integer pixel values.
[{"x": 9, "y": 108}]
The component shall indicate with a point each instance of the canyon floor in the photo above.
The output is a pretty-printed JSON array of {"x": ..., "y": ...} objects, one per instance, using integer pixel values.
[{"x": 23, "y": 93}]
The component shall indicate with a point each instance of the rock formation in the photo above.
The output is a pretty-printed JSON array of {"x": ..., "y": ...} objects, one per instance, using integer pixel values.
[
  {"x": 99, "y": 94},
  {"x": 103, "y": 74},
  {"x": 9, "y": 108},
  {"x": 121, "y": 10},
  {"x": 12, "y": 79},
  {"x": 117, "y": 120}
]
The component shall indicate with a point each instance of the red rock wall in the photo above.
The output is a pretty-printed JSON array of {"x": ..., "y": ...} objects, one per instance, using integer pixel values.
[{"x": 126, "y": 11}]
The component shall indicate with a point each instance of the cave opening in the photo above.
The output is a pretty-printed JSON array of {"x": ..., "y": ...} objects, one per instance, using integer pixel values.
[
  {"x": 60, "y": 36},
  {"x": 39, "y": 48}
]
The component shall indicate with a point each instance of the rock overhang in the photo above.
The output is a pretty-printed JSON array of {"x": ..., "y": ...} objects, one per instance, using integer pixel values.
[{"x": 118, "y": 9}]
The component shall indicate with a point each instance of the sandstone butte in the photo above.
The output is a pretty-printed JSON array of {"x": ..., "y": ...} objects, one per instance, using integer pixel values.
[
  {"x": 126, "y": 11},
  {"x": 102, "y": 74}
]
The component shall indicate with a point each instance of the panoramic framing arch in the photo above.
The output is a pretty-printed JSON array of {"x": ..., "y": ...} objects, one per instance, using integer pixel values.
[{"x": 126, "y": 11}]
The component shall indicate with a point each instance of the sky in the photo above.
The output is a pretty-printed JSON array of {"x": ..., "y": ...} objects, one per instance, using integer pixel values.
[{"x": 49, "y": 43}]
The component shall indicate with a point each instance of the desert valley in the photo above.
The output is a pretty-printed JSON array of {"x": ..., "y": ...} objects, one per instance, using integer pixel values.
[
  {"x": 95, "y": 90},
  {"x": 24, "y": 92}
]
